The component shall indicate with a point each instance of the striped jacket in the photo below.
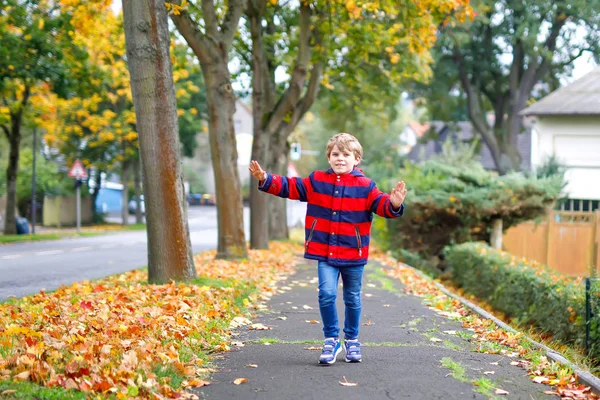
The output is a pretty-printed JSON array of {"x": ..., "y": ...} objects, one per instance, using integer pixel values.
[{"x": 339, "y": 213}]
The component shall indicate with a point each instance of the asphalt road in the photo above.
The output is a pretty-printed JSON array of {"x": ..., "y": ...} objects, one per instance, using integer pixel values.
[{"x": 26, "y": 268}]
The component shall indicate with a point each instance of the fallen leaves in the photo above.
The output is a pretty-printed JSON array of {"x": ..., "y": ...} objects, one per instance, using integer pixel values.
[
  {"x": 123, "y": 336},
  {"x": 501, "y": 392},
  {"x": 259, "y": 327},
  {"x": 239, "y": 381},
  {"x": 312, "y": 321}
]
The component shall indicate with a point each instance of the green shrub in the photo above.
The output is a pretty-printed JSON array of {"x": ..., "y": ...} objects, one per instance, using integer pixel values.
[
  {"x": 528, "y": 291},
  {"x": 448, "y": 204}
]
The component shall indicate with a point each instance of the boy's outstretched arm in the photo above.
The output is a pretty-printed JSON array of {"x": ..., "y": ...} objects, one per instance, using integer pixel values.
[
  {"x": 257, "y": 171},
  {"x": 398, "y": 194},
  {"x": 289, "y": 188},
  {"x": 387, "y": 205}
]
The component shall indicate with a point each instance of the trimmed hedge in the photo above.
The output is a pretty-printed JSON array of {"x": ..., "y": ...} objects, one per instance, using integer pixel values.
[{"x": 526, "y": 290}]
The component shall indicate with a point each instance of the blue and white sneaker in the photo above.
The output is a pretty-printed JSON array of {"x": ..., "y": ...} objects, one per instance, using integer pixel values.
[
  {"x": 352, "y": 348},
  {"x": 331, "y": 348}
]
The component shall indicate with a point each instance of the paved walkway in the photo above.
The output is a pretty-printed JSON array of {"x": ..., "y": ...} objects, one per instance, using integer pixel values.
[{"x": 400, "y": 360}]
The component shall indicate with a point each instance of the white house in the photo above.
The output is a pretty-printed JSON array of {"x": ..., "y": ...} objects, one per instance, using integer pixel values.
[{"x": 567, "y": 125}]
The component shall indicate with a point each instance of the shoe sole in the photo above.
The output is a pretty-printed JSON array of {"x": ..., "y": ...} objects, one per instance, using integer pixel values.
[
  {"x": 353, "y": 361},
  {"x": 334, "y": 358}
]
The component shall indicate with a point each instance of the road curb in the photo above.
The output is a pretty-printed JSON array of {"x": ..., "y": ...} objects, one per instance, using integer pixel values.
[{"x": 583, "y": 376}]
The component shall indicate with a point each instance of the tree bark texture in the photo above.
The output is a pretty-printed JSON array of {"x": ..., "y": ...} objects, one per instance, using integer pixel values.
[
  {"x": 13, "y": 134},
  {"x": 137, "y": 184},
  {"x": 212, "y": 49},
  {"x": 278, "y": 227},
  {"x": 221, "y": 107},
  {"x": 147, "y": 44},
  {"x": 124, "y": 194}
]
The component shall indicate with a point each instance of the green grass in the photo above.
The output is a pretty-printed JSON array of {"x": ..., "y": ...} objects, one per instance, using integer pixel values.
[
  {"x": 32, "y": 238},
  {"x": 32, "y": 391},
  {"x": 6, "y": 239},
  {"x": 456, "y": 369},
  {"x": 485, "y": 387},
  {"x": 386, "y": 283}
]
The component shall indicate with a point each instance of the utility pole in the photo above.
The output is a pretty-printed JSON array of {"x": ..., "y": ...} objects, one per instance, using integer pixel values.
[{"x": 33, "y": 184}]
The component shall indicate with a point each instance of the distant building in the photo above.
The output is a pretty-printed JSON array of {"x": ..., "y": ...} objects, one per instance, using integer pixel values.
[
  {"x": 461, "y": 131},
  {"x": 567, "y": 125}
]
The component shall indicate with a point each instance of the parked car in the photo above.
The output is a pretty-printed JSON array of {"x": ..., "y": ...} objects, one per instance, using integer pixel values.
[
  {"x": 197, "y": 199},
  {"x": 132, "y": 206}
]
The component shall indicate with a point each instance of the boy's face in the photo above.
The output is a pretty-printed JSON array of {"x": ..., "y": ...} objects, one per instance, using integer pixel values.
[{"x": 342, "y": 161}]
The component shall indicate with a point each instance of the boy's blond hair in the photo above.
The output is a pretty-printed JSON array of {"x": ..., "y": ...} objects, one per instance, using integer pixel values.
[{"x": 345, "y": 141}]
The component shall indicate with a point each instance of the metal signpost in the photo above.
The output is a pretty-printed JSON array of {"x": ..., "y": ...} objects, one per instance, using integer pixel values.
[{"x": 79, "y": 173}]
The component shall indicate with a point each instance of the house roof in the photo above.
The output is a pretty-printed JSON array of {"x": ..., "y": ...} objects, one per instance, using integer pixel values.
[
  {"x": 463, "y": 131},
  {"x": 581, "y": 97}
]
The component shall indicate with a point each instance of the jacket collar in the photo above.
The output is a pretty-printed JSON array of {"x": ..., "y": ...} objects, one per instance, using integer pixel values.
[{"x": 354, "y": 172}]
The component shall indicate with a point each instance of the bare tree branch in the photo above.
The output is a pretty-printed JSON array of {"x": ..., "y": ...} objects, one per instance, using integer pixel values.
[
  {"x": 289, "y": 99},
  {"x": 6, "y": 131},
  {"x": 210, "y": 18},
  {"x": 230, "y": 22},
  {"x": 192, "y": 35}
]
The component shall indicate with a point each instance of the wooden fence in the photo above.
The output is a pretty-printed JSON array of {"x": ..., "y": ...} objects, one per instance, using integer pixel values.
[{"x": 568, "y": 242}]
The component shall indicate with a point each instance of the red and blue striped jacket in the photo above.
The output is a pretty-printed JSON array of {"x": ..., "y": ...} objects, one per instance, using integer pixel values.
[{"x": 339, "y": 213}]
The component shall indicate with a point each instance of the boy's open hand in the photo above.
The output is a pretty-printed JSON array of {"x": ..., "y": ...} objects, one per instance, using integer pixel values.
[
  {"x": 257, "y": 171},
  {"x": 398, "y": 194}
]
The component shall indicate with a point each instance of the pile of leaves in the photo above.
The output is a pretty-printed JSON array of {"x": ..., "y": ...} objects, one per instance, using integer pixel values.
[
  {"x": 120, "y": 336},
  {"x": 513, "y": 345},
  {"x": 455, "y": 204}
]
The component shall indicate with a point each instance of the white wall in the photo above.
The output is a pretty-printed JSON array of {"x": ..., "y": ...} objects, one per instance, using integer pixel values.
[{"x": 575, "y": 140}]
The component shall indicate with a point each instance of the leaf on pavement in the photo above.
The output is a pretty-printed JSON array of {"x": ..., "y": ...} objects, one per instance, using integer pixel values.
[
  {"x": 489, "y": 372},
  {"x": 312, "y": 321},
  {"x": 434, "y": 339},
  {"x": 259, "y": 327},
  {"x": 198, "y": 383},
  {"x": 306, "y": 307},
  {"x": 252, "y": 365},
  {"x": 501, "y": 392},
  {"x": 239, "y": 381},
  {"x": 346, "y": 383},
  {"x": 312, "y": 348}
]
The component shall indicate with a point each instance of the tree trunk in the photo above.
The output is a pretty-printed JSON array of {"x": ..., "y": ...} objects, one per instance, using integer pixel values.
[
  {"x": 125, "y": 194},
  {"x": 98, "y": 180},
  {"x": 496, "y": 234},
  {"x": 278, "y": 227},
  {"x": 138, "y": 192},
  {"x": 14, "y": 140},
  {"x": 147, "y": 43},
  {"x": 212, "y": 49},
  {"x": 221, "y": 106},
  {"x": 262, "y": 100}
]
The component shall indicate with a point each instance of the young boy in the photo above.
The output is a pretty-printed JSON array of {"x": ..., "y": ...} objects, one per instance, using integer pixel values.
[{"x": 341, "y": 201}]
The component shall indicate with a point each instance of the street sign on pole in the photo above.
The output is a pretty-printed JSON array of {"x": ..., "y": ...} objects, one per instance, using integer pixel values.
[{"x": 79, "y": 173}]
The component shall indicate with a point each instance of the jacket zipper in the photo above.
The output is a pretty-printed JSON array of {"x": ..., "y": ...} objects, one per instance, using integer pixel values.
[
  {"x": 310, "y": 235},
  {"x": 358, "y": 241}
]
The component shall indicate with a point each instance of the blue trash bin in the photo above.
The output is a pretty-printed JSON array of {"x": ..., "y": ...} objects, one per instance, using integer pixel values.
[{"x": 22, "y": 226}]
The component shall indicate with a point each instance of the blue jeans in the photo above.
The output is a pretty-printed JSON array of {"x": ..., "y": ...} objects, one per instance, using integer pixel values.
[{"x": 328, "y": 283}]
